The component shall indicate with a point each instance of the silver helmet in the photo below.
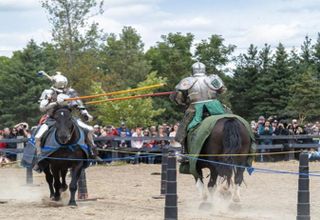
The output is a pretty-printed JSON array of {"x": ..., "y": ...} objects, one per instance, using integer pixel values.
[
  {"x": 59, "y": 81},
  {"x": 198, "y": 68}
]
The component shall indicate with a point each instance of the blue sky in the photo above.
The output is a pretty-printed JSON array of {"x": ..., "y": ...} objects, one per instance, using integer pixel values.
[{"x": 240, "y": 22}]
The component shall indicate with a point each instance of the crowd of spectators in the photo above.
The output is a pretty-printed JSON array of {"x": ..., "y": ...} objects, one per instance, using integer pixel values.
[
  {"x": 272, "y": 126},
  {"x": 164, "y": 130},
  {"x": 20, "y": 130}
]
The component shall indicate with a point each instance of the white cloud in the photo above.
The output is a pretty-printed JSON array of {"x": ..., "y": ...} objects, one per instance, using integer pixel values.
[
  {"x": 271, "y": 33},
  {"x": 124, "y": 3},
  {"x": 10, "y": 42},
  {"x": 129, "y": 11},
  {"x": 186, "y": 23},
  {"x": 18, "y": 5}
]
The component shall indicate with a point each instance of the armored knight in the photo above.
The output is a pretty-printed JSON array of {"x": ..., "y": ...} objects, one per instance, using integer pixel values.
[
  {"x": 198, "y": 94},
  {"x": 54, "y": 98}
]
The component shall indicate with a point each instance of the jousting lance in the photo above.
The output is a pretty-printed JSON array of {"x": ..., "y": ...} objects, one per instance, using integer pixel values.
[
  {"x": 116, "y": 92},
  {"x": 131, "y": 97}
]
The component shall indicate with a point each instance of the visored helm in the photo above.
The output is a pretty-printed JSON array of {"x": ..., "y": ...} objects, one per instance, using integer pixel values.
[
  {"x": 198, "y": 68},
  {"x": 59, "y": 81}
]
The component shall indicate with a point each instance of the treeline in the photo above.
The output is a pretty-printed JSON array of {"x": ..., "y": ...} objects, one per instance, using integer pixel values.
[{"x": 263, "y": 82}]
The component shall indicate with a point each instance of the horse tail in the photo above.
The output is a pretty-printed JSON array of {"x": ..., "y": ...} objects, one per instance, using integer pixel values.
[{"x": 231, "y": 144}]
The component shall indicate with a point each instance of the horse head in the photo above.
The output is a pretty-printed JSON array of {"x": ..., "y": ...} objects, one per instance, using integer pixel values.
[{"x": 64, "y": 125}]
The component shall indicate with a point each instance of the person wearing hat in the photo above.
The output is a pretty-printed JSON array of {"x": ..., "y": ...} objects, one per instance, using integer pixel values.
[{"x": 123, "y": 131}]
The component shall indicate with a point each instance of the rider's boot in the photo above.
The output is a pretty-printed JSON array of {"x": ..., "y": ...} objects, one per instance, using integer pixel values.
[
  {"x": 183, "y": 157},
  {"x": 184, "y": 153},
  {"x": 93, "y": 153},
  {"x": 37, "y": 155}
]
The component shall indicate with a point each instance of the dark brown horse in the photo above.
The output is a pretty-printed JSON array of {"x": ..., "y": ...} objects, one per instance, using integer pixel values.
[
  {"x": 69, "y": 155},
  {"x": 229, "y": 136}
]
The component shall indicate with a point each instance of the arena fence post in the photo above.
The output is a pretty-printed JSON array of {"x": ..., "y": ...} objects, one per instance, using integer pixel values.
[
  {"x": 82, "y": 186},
  {"x": 303, "y": 206},
  {"x": 164, "y": 164},
  {"x": 171, "y": 203}
]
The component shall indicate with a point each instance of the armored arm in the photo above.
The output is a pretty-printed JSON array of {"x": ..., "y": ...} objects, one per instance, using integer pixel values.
[
  {"x": 181, "y": 95},
  {"x": 78, "y": 104},
  {"x": 46, "y": 101}
]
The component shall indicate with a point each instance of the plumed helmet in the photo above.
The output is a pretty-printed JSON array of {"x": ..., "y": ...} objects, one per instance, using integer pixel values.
[
  {"x": 59, "y": 81},
  {"x": 198, "y": 68}
]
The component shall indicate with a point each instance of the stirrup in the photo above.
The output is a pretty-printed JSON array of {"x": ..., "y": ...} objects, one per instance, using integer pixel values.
[
  {"x": 36, "y": 168},
  {"x": 183, "y": 159}
]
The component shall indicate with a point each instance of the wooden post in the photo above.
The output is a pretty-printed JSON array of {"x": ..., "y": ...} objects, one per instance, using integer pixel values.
[
  {"x": 29, "y": 175},
  {"x": 303, "y": 206},
  {"x": 164, "y": 163},
  {"x": 171, "y": 199},
  {"x": 82, "y": 186}
]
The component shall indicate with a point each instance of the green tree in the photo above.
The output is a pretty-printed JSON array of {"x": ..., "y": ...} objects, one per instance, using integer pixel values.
[
  {"x": 171, "y": 58},
  {"x": 243, "y": 85},
  {"x": 75, "y": 38},
  {"x": 316, "y": 56},
  {"x": 263, "y": 104},
  {"x": 123, "y": 60},
  {"x": 21, "y": 87},
  {"x": 214, "y": 54},
  {"x": 135, "y": 112},
  {"x": 282, "y": 78},
  {"x": 305, "y": 92}
]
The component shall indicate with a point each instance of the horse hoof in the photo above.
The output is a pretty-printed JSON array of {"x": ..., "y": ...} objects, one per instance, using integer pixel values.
[
  {"x": 235, "y": 206},
  {"x": 56, "y": 198},
  {"x": 63, "y": 188},
  {"x": 72, "y": 203},
  {"x": 236, "y": 199},
  {"x": 225, "y": 194},
  {"x": 205, "y": 206}
]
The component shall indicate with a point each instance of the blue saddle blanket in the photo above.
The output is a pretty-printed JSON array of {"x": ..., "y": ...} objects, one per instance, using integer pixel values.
[{"x": 50, "y": 145}]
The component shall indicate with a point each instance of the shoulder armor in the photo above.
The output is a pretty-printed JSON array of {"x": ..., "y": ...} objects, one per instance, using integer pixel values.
[
  {"x": 72, "y": 93},
  {"x": 46, "y": 94},
  {"x": 186, "y": 83},
  {"x": 214, "y": 82}
]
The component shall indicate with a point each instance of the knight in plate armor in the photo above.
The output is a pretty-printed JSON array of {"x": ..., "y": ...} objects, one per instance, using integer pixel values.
[
  {"x": 198, "y": 94},
  {"x": 54, "y": 98}
]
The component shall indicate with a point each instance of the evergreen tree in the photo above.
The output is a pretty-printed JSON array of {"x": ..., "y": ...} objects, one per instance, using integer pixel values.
[
  {"x": 316, "y": 56},
  {"x": 282, "y": 79},
  {"x": 305, "y": 92},
  {"x": 243, "y": 85},
  {"x": 21, "y": 87},
  {"x": 264, "y": 104}
]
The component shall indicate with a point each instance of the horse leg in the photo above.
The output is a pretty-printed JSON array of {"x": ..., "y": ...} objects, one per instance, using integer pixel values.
[
  {"x": 76, "y": 171},
  {"x": 49, "y": 178},
  {"x": 64, "y": 185},
  {"x": 200, "y": 185},
  {"x": 212, "y": 182},
  {"x": 57, "y": 183},
  {"x": 238, "y": 179}
]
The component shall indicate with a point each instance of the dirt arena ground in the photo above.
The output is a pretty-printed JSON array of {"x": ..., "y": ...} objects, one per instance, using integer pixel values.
[{"x": 125, "y": 192}]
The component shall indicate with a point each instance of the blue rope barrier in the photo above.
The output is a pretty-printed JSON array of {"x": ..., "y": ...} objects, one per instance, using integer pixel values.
[
  {"x": 250, "y": 169},
  {"x": 261, "y": 170},
  {"x": 90, "y": 160}
]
